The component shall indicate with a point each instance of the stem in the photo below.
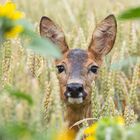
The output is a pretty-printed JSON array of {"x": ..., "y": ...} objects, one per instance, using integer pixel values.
[{"x": 0, "y": 60}]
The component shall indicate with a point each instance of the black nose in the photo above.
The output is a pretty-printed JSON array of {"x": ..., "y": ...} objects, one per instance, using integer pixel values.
[{"x": 75, "y": 89}]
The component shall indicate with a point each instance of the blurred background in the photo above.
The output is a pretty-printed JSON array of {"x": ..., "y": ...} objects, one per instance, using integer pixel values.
[{"x": 28, "y": 93}]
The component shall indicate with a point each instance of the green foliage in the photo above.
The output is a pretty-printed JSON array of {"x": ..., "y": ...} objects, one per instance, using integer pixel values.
[
  {"x": 22, "y": 131},
  {"x": 41, "y": 46},
  {"x": 124, "y": 63},
  {"x": 15, "y": 131},
  {"x": 132, "y": 13},
  {"x": 5, "y": 24},
  {"x": 109, "y": 128},
  {"x": 44, "y": 47},
  {"x": 19, "y": 95},
  {"x": 133, "y": 132}
]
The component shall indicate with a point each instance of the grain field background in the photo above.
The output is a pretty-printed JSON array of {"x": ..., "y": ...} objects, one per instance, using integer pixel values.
[{"x": 33, "y": 75}]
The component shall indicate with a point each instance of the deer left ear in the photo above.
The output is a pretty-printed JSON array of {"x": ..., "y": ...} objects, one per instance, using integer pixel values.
[
  {"x": 53, "y": 32},
  {"x": 104, "y": 36}
]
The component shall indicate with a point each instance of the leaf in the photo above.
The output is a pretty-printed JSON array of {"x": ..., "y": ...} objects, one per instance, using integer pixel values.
[
  {"x": 26, "y": 25},
  {"x": 19, "y": 94},
  {"x": 123, "y": 63},
  {"x": 132, "y": 13},
  {"x": 41, "y": 46},
  {"x": 16, "y": 130},
  {"x": 44, "y": 47}
]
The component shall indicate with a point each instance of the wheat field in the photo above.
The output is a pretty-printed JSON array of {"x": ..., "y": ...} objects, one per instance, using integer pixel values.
[{"x": 23, "y": 71}]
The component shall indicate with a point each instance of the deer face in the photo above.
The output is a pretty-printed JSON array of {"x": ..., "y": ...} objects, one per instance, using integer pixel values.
[
  {"x": 77, "y": 68},
  {"x": 76, "y": 71}
]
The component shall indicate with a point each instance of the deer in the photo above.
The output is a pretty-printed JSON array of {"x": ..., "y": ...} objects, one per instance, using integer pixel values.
[{"x": 78, "y": 68}]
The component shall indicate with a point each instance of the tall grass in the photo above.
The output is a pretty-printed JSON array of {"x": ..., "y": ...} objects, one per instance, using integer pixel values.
[{"x": 35, "y": 76}]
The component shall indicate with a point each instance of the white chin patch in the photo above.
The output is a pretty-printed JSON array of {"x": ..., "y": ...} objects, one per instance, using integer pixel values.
[{"x": 75, "y": 100}]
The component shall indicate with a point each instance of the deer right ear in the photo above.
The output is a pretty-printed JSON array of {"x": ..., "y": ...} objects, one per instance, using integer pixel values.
[
  {"x": 50, "y": 30},
  {"x": 104, "y": 36}
]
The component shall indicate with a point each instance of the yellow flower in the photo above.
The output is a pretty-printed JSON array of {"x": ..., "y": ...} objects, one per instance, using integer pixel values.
[
  {"x": 66, "y": 135},
  {"x": 14, "y": 32},
  {"x": 10, "y": 15},
  {"x": 90, "y": 138},
  {"x": 90, "y": 132},
  {"x": 9, "y": 10},
  {"x": 91, "y": 129},
  {"x": 120, "y": 120}
]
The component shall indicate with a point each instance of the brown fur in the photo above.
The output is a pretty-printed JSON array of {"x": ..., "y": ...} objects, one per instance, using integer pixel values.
[{"x": 78, "y": 62}]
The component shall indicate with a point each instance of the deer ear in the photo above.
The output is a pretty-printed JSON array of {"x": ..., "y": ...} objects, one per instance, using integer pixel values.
[
  {"x": 50, "y": 30},
  {"x": 104, "y": 36}
]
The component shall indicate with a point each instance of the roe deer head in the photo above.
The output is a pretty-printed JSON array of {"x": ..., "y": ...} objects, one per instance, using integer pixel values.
[{"x": 77, "y": 68}]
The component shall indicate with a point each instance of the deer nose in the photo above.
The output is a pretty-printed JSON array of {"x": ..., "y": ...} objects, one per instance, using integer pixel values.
[
  {"x": 75, "y": 90},
  {"x": 75, "y": 87}
]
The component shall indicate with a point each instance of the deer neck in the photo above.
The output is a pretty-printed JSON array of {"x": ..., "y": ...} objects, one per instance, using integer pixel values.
[{"x": 75, "y": 114}]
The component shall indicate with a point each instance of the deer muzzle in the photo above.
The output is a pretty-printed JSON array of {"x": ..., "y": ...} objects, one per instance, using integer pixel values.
[{"x": 75, "y": 93}]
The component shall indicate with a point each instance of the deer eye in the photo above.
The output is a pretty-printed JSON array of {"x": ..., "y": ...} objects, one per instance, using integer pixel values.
[
  {"x": 60, "y": 68},
  {"x": 94, "y": 69}
]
